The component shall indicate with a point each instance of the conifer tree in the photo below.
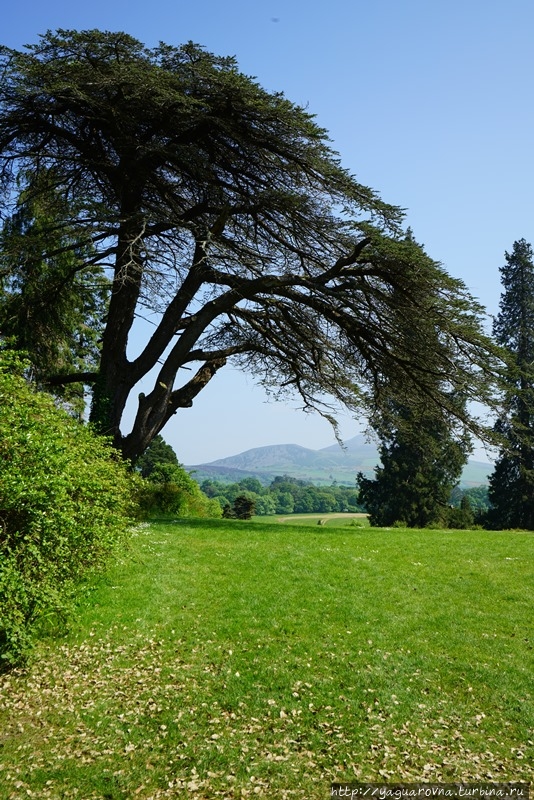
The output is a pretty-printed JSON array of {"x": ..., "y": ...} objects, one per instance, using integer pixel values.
[
  {"x": 422, "y": 461},
  {"x": 157, "y": 453},
  {"x": 511, "y": 491},
  {"x": 422, "y": 448}
]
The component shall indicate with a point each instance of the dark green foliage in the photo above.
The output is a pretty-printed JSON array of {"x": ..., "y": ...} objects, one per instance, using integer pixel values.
[
  {"x": 511, "y": 490},
  {"x": 221, "y": 210},
  {"x": 158, "y": 452},
  {"x": 66, "y": 502},
  {"x": 52, "y": 305},
  {"x": 243, "y": 508},
  {"x": 419, "y": 468},
  {"x": 462, "y": 517},
  {"x": 422, "y": 448}
]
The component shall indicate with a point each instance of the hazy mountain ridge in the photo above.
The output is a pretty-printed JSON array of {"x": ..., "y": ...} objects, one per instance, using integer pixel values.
[
  {"x": 319, "y": 466},
  {"x": 264, "y": 457}
]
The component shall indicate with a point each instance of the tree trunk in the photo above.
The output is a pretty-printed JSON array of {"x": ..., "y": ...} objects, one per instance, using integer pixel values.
[{"x": 115, "y": 380}]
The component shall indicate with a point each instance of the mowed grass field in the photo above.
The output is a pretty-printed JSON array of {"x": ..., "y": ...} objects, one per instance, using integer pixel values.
[
  {"x": 233, "y": 660},
  {"x": 341, "y": 520}
]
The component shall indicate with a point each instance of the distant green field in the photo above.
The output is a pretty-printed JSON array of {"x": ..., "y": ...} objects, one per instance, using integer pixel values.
[
  {"x": 345, "y": 520},
  {"x": 234, "y": 660}
]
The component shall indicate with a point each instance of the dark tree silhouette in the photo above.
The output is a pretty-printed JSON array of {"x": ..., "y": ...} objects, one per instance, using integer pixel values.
[
  {"x": 422, "y": 449},
  {"x": 511, "y": 491}
]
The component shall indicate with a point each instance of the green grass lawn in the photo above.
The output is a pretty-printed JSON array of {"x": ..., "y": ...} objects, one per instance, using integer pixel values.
[
  {"x": 232, "y": 660},
  {"x": 341, "y": 520}
]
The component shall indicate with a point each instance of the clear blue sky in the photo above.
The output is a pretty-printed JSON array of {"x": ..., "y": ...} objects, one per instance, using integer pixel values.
[{"x": 427, "y": 101}]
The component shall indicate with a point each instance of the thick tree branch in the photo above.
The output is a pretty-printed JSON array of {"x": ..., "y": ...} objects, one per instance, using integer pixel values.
[{"x": 86, "y": 378}]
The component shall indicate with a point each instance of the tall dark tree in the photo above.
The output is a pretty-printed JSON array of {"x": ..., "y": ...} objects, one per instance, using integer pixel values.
[
  {"x": 422, "y": 447},
  {"x": 421, "y": 463},
  {"x": 222, "y": 212},
  {"x": 511, "y": 491}
]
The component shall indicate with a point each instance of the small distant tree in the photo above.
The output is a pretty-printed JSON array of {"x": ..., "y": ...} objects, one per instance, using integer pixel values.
[
  {"x": 243, "y": 507},
  {"x": 461, "y": 517},
  {"x": 326, "y": 502},
  {"x": 252, "y": 485},
  {"x": 511, "y": 485},
  {"x": 265, "y": 506},
  {"x": 285, "y": 503}
]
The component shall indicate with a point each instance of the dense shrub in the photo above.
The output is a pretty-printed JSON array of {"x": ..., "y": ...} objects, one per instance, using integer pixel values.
[
  {"x": 66, "y": 502},
  {"x": 169, "y": 489},
  {"x": 463, "y": 517}
]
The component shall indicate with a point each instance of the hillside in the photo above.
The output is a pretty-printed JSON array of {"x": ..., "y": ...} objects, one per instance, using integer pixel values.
[{"x": 318, "y": 466}]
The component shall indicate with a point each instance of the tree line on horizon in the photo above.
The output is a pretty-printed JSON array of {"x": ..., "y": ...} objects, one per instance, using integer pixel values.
[
  {"x": 286, "y": 494},
  {"x": 163, "y": 185}
]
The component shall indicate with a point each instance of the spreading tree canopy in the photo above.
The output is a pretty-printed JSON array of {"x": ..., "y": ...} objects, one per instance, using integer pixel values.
[
  {"x": 511, "y": 491},
  {"x": 222, "y": 214}
]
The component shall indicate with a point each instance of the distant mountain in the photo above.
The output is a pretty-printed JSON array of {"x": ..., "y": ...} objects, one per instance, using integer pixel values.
[
  {"x": 318, "y": 466},
  {"x": 276, "y": 455}
]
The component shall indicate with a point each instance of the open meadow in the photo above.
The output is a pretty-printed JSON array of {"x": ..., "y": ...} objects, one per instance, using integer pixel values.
[{"x": 225, "y": 659}]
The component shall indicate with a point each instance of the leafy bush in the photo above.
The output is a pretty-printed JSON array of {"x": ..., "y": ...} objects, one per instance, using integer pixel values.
[
  {"x": 66, "y": 502},
  {"x": 169, "y": 489}
]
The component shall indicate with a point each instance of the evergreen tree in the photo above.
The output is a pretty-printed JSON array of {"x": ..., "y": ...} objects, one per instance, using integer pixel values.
[
  {"x": 461, "y": 517},
  {"x": 157, "y": 453},
  {"x": 511, "y": 491},
  {"x": 422, "y": 448},
  {"x": 421, "y": 462},
  {"x": 244, "y": 507},
  {"x": 52, "y": 302}
]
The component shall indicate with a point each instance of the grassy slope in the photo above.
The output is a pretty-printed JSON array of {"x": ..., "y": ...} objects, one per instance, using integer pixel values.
[{"x": 227, "y": 659}]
